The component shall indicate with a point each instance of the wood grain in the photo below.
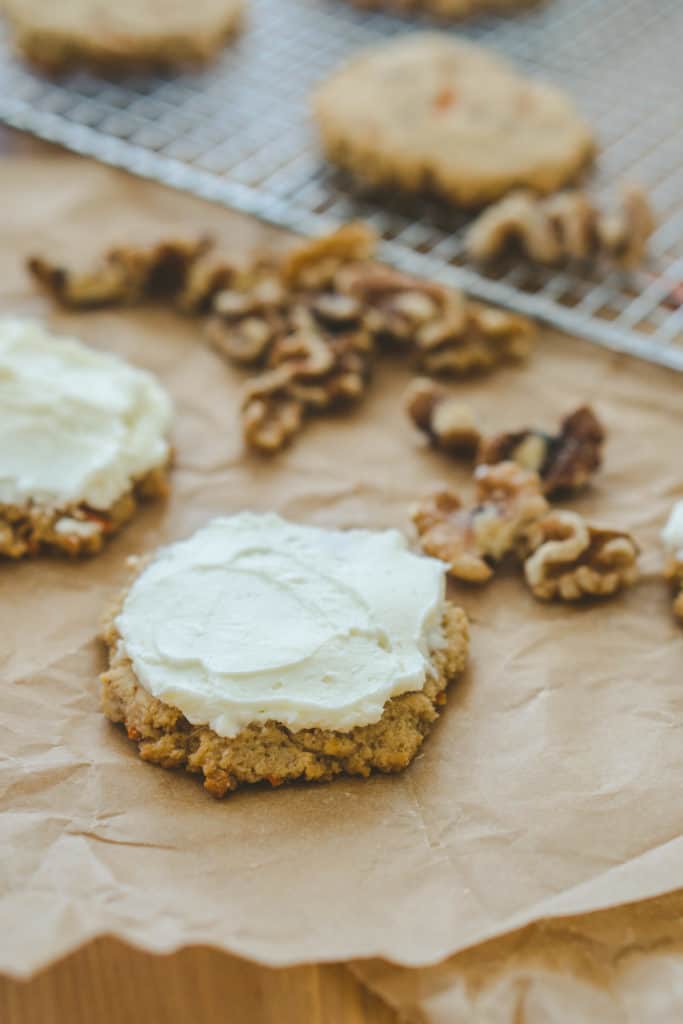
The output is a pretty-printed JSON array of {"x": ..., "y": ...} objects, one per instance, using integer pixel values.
[{"x": 110, "y": 983}]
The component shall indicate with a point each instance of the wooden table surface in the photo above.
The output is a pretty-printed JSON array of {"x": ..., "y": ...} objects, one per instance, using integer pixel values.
[{"x": 109, "y": 983}]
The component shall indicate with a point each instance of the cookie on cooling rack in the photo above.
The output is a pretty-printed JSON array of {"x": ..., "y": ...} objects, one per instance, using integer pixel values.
[
  {"x": 83, "y": 437},
  {"x": 122, "y": 34},
  {"x": 266, "y": 651},
  {"x": 429, "y": 112},
  {"x": 447, "y": 8}
]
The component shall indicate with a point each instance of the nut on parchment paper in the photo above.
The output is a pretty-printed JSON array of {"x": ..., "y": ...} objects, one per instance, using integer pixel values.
[
  {"x": 444, "y": 419},
  {"x": 271, "y": 415},
  {"x": 473, "y": 540},
  {"x": 128, "y": 274},
  {"x": 568, "y": 559},
  {"x": 562, "y": 227},
  {"x": 565, "y": 461},
  {"x": 313, "y": 264},
  {"x": 484, "y": 339},
  {"x": 398, "y": 306},
  {"x": 245, "y": 323},
  {"x": 326, "y": 372},
  {"x": 309, "y": 372}
]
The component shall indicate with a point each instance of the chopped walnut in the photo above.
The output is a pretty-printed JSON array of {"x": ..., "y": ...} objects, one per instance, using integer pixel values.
[
  {"x": 205, "y": 279},
  {"x": 488, "y": 337},
  {"x": 271, "y": 416},
  {"x": 567, "y": 226},
  {"x": 448, "y": 423},
  {"x": 446, "y": 531},
  {"x": 327, "y": 370},
  {"x": 509, "y": 500},
  {"x": 128, "y": 274},
  {"x": 310, "y": 371},
  {"x": 246, "y": 323},
  {"x": 399, "y": 307},
  {"x": 624, "y": 234},
  {"x": 472, "y": 541},
  {"x": 565, "y": 461},
  {"x": 568, "y": 559},
  {"x": 314, "y": 263}
]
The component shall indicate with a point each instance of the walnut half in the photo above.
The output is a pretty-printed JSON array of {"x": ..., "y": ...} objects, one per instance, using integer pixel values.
[
  {"x": 566, "y": 226},
  {"x": 133, "y": 273},
  {"x": 472, "y": 541},
  {"x": 565, "y": 461},
  {"x": 483, "y": 338},
  {"x": 447, "y": 423},
  {"x": 568, "y": 559},
  {"x": 271, "y": 415}
]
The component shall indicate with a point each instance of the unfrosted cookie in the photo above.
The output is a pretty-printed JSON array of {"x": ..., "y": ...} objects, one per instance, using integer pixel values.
[
  {"x": 83, "y": 436},
  {"x": 447, "y": 8},
  {"x": 429, "y": 112},
  {"x": 261, "y": 650},
  {"x": 120, "y": 34}
]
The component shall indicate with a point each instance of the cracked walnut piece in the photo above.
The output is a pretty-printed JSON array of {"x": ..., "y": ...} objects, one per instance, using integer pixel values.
[
  {"x": 487, "y": 338},
  {"x": 568, "y": 559},
  {"x": 336, "y": 282},
  {"x": 320, "y": 311},
  {"x": 565, "y": 461},
  {"x": 564, "y": 227},
  {"x": 471, "y": 541},
  {"x": 181, "y": 271},
  {"x": 309, "y": 372},
  {"x": 447, "y": 423}
]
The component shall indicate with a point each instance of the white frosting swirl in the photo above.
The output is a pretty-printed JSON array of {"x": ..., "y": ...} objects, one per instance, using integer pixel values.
[
  {"x": 255, "y": 618},
  {"x": 76, "y": 425}
]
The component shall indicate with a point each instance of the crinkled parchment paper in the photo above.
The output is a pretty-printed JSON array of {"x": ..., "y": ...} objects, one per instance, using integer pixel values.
[
  {"x": 552, "y": 783},
  {"x": 617, "y": 966}
]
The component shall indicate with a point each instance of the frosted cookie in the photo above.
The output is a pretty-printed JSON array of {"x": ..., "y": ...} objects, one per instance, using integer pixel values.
[
  {"x": 447, "y": 8},
  {"x": 262, "y": 650},
  {"x": 429, "y": 112},
  {"x": 156, "y": 33},
  {"x": 83, "y": 436}
]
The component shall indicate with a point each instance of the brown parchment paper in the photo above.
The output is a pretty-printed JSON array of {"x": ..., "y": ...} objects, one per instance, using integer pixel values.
[
  {"x": 550, "y": 786},
  {"x": 618, "y": 966}
]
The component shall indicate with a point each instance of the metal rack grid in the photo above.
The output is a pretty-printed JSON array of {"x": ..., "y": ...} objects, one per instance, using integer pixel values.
[{"x": 239, "y": 134}]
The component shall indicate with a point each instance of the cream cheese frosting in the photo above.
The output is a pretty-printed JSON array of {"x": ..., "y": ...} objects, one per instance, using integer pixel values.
[
  {"x": 76, "y": 425},
  {"x": 672, "y": 534},
  {"x": 256, "y": 618}
]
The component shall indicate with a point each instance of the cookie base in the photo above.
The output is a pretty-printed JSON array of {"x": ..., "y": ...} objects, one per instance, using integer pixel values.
[
  {"x": 27, "y": 530},
  {"x": 270, "y": 752}
]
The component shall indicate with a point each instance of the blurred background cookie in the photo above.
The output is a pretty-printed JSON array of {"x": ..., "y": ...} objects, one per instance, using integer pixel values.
[
  {"x": 126, "y": 34},
  {"x": 427, "y": 111}
]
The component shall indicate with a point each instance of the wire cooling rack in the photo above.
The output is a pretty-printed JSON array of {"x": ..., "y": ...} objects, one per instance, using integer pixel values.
[{"x": 239, "y": 134}]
